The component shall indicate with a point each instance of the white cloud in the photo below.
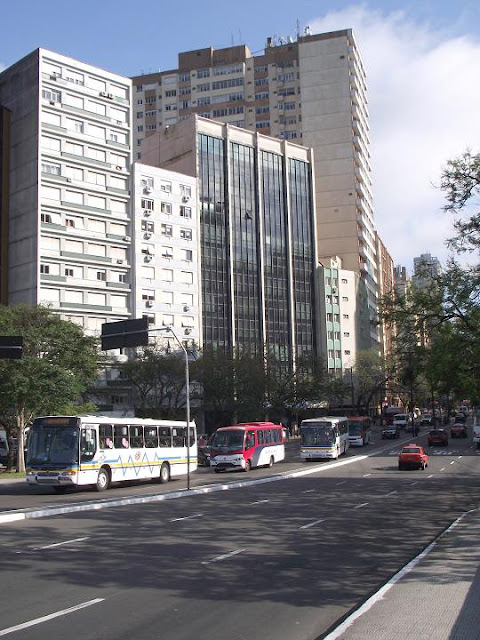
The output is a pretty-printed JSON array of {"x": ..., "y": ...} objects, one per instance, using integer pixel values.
[{"x": 423, "y": 95}]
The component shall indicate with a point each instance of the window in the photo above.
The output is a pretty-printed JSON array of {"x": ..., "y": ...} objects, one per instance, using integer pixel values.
[
  {"x": 202, "y": 102},
  {"x": 186, "y": 277},
  {"x": 185, "y": 212},
  {"x": 102, "y": 275},
  {"x": 45, "y": 268},
  {"x": 51, "y": 168},
  {"x": 203, "y": 73},
  {"x": 148, "y": 226},
  {"x": 52, "y": 94},
  {"x": 150, "y": 114},
  {"x": 186, "y": 234},
  {"x": 75, "y": 125},
  {"x": 186, "y": 190},
  {"x": 167, "y": 320},
  {"x": 167, "y": 252},
  {"x": 187, "y": 254},
  {"x": 166, "y": 187},
  {"x": 167, "y": 275},
  {"x": 166, "y": 207},
  {"x": 50, "y": 143},
  {"x": 166, "y": 230},
  {"x": 146, "y": 203}
]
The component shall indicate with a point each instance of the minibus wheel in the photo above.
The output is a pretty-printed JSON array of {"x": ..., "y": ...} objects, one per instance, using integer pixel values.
[
  {"x": 271, "y": 461},
  {"x": 248, "y": 466}
]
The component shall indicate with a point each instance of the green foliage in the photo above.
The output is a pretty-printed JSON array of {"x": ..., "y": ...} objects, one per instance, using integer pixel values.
[{"x": 58, "y": 364}]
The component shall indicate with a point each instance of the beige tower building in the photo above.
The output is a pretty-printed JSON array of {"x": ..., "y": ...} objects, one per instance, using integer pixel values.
[{"x": 312, "y": 91}]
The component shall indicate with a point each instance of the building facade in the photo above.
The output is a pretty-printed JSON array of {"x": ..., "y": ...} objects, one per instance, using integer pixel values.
[
  {"x": 166, "y": 269},
  {"x": 257, "y": 235},
  {"x": 311, "y": 90},
  {"x": 68, "y": 228}
]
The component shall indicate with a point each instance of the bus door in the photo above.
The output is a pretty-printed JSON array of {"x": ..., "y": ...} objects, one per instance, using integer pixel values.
[{"x": 249, "y": 451}]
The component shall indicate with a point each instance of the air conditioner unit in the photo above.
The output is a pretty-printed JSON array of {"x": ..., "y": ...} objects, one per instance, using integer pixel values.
[
  {"x": 147, "y": 235},
  {"x": 103, "y": 94},
  {"x": 146, "y": 212},
  {"x": 167, "y": 255},
  {"x": 186, "y": 308},
  {"x": 52, "y": 101},
  {"x": 120, "y": 261},
  {"x": 127, "y": 238},
  {"x": 69, "y": 179},
  {"x": 147, "y": 189},
  {"x": 118, "y": 167},
  {"x": 149, "y": 303},
  {"x": 185, "y": 198},
  {"x": 147, "y": 259},
  {"x": 334, "y": 290},
  {"x": 110, "y": 96}
]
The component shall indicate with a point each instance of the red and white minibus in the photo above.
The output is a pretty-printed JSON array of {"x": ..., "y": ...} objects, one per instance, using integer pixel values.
[
  {"x": 359, "y": 430},
  {"x": 247, "y": 445}
]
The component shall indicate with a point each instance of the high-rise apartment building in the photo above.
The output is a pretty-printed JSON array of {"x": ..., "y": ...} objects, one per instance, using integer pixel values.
[
  {"x": 425, "y": 268},
  {"x": 166, "y": 240},
  {"x": 311, "y": 90},
  {"x": 257, "y": 235},
  {"x": 65, "y": 204}
]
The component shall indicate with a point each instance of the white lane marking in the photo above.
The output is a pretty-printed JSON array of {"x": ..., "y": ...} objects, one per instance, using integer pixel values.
[
  {"x": 366, "y": 475},
  {"x": 442, "y": 469},
  {"x": 368, "y": 604},
  {"x": 51, "y": 616},
  {"x": 59, "y": 544},
  {"x": 452, "y": 462},
  {"x": 412, "y": 483},
  {"x": 342, "y": 482},
  {"x": 258, "y": 502},
  {"x": 392, "y": 493},
  {"x": 195, "y": 515},
  {"x": 359, "y": 506},
  {"x": 308, "y": 491},
  {"x": 430, "y": 476},
  {"x": 225, "y": 556},
  {"x": 312, "y": 524}
]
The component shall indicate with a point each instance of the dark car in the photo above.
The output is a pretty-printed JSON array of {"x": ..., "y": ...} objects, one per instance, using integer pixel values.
[
  {"x": 203, "y": 455},
  {"x": 390, "y": 432},
  {"x": 437, "y": 437},
  {"x": 460, "y": 418},
  {"x": 458, "y": 430}
]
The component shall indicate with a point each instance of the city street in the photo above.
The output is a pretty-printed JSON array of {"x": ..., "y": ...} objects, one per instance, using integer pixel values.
[{"x": 284, "y": 560}]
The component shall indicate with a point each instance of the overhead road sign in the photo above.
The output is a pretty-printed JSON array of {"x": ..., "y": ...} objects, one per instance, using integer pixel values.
[{"x": 126, "y": 333}]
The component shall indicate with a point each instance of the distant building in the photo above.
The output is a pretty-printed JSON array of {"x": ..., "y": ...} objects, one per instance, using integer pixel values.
[
  {"x": 257, "y": 235},
  {"x": 425, "y": 268},
  {"x": 310, "y": 89}
]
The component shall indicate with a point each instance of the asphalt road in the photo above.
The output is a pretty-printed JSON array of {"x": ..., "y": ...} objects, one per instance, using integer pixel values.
[{"x": 283, "y": 560}]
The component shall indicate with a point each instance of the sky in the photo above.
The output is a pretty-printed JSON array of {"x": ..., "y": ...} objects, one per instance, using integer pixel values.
[{"x": 422, "y": 60}]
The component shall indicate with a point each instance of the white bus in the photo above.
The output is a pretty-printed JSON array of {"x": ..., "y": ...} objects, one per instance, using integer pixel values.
[
  {"x": 324, "y": 437},
  {"x": 70, "y": 451}
]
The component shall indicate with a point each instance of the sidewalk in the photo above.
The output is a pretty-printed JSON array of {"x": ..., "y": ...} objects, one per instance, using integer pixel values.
[{"x": 436, "y": 597}]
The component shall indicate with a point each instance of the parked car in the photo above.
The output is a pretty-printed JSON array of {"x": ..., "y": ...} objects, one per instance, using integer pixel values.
[
  {"x": 390, "y": 432},
  {"x": 460, "y": 418},
  {"x": 412, "y": 456},
  {"x": 426, "y": 420},
  {"x": 437, "y": 437},
  {"x": 458, "y": 430},
  {"x": 476, "y": 435}
]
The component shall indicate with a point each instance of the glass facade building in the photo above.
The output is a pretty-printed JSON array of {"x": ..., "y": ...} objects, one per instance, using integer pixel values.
[{"x": 257, "y": 245}]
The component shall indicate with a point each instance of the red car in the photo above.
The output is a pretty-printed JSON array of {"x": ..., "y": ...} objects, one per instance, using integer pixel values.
[
  {"x": 437, "y": 437},
  {"x": 412, "y": 456},
  {"x": 458, "y": 430}
]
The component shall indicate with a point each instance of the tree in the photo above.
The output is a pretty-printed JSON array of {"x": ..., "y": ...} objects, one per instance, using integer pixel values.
[
  {"x": 370, "y": 375},
  {"x": 59, "y": 363},
  {"x": 157, "y": 377}
]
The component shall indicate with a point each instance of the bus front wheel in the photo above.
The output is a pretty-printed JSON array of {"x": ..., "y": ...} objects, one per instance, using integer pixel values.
[
  {"x": 164, "y": 473},
  {"x": 103, "y": 480}
]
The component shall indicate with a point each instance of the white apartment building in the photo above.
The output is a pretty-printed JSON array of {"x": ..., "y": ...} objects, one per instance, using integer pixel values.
[
  {"x": 344, "y": 326},
  {"x": 66, "y": 218},
  {"x": 312, "y": 91},
  {"x": 167, "y": 254}
]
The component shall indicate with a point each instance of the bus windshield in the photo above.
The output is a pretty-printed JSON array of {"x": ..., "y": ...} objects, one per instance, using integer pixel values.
[
  {"x": 55, "y": 444},
  {"x": 228, "y": 440},
  {"x": 318, "y": 435},
  {"x": 354, "y": 428}
]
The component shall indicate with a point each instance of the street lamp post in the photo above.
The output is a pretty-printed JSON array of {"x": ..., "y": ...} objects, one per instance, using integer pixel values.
[{"x": 187, "y": 392}]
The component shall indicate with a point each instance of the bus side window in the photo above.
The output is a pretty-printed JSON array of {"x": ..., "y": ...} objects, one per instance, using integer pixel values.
[
  {"x": 250, "y": 440},
  {"x": 261, "y": 436},
  {"x": 193, "y": 436},
  {"x": 165, "y": 436},
  {"x": 178, "y": 437},
  {"x": 136, "y": 436},
  {"x": 120, "y": 438},
  {"x": 151, "y": 437},
  {"x": 105, "y": 436}
]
